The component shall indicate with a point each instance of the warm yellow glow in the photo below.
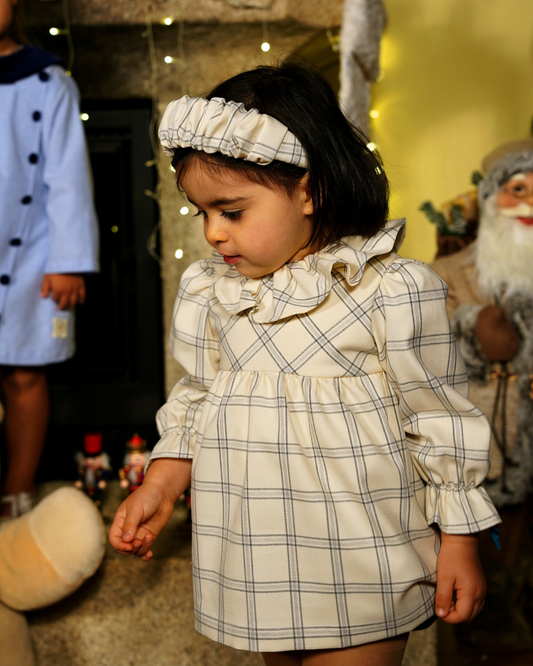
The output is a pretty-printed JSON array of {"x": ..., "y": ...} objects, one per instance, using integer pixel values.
[
  {"x": 371, "y": 146},
  {"x": 178, "y": 254},
  {"x": 168, "y": 59},
  {"x": 172, "y": 169},
  {"x": 440, "y": 116},
  {"x": 84, "y": 116},
  {"x": 265, "y": 46},
  {"x": 168, "y": 21},
  {"x": 374, "y": 114},
  {"x": 114, "y": 228},
  {"x": 54, "y": 31},
  {"x": 184, "y": 210}
]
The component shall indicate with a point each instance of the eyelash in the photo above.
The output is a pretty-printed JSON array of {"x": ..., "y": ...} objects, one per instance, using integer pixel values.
[{"x": 233, "y": 216}]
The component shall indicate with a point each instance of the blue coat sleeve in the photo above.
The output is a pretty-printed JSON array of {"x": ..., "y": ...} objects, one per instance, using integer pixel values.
[{"x": 73, "y": 230}]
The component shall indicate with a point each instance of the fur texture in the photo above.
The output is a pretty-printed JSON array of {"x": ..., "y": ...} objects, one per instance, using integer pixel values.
[
  {"x": 521, "y": 161},
  {"x": 363, "y": 22}
]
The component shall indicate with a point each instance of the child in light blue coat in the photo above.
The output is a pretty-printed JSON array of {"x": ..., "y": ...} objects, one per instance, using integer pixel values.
[{"x": 48, "y": 240}]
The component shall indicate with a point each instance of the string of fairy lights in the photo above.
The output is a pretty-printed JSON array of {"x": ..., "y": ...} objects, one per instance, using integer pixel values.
[{"x": 179, "y": 59}]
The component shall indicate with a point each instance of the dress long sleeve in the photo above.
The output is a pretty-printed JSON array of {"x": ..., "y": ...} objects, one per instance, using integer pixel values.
[
  {"x": 195, "y": 346},
  {"x": 447, "y": 436},
  {"x": 73, "y": 230}
]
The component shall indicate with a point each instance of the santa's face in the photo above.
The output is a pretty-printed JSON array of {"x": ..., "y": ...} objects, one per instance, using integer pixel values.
[
  {"x": 504, "y": 245},
  {"x": 515, "y": 199}
]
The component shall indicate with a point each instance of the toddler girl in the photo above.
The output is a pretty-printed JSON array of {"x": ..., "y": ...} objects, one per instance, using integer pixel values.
[{"x": 323, "y": 419}]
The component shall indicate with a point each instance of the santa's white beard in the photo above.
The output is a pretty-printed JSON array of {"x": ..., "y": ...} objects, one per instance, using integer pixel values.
[{"x": 503, "y": 254}]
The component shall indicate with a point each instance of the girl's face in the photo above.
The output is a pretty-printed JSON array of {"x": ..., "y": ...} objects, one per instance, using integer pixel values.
[{"x": 255, "y": 228}]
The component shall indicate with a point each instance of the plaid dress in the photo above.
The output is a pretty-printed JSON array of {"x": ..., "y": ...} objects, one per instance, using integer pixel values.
[{"x": 326, "y": 414}]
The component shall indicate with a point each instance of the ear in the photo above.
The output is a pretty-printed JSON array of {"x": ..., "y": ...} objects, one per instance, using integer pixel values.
[{"x": 304, "y": 192}]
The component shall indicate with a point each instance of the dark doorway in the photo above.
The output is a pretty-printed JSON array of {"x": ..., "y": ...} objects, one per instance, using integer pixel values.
[{"x": 114, "y": 384}]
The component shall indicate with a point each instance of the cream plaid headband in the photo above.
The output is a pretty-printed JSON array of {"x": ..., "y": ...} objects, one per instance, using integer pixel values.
[{"x": 217, "y": 126}]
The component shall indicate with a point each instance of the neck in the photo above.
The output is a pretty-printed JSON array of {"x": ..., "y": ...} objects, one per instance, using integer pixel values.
[{"x": 7, "y": 45}]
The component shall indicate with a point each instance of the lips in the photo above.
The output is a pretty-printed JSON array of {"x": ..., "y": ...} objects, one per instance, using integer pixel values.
[
  {"x": 232, "y": 259},
  {"x": 528, "y": 221}
]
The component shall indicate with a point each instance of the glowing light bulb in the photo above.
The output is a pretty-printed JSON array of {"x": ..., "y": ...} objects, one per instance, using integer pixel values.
[
  {"x": 84, "y": 116},
  {"x": 371, "y": 146},
  {"x": 168, "y": 21},
  {"x": 184, "y": 210},
  {"x": 54, "y": 31},
  {"x": 374, "y": 114},
  {"x": 169, "y": 59},
  {"x": 178, "y": 254},
  {"x": 114, "y": 228},
  {"x": 265, "y": 46}
]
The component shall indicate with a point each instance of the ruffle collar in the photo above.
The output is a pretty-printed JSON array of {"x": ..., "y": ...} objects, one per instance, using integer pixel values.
[{"x": 300, "y": 286}]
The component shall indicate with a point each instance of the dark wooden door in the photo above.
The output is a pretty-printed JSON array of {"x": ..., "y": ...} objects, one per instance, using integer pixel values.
[{"x": 114, "y": 384}]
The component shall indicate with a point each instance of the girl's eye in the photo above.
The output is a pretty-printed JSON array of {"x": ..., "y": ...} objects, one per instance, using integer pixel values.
[
  {"x": 232, "y": 214},
  {"x": 200, "y": 213},
  {"x": 519, "y": 189}
]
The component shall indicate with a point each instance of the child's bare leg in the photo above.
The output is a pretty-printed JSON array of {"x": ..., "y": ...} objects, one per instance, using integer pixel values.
[
  {"x": 388, "y": 652},
  {"x": 282, "y": 658},
  {"x": 26, "y": 404}
]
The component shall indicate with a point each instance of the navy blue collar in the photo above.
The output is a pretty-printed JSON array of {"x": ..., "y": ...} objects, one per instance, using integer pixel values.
[{"x": 21, "y": 64}]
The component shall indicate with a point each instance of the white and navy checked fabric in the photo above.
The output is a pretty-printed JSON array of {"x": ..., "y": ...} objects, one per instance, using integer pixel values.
[
  {"x": 328, "y": 444},
  {"x": 217, "y": 126}
]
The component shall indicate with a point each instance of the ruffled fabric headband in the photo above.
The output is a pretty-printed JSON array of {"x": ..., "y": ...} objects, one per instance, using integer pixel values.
[{"x": 217, "y": 126}]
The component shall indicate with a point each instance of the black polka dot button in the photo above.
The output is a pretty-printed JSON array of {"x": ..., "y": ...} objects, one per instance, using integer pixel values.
[
  {"x": 5, "y": 279},
  {"x": 15, "y": 242},
  {"x": 33, "y": 158},
  {"x": 26, "y": 200},
  {"x": 37, "y": 115},
  {"x": 44, "y": 76}
]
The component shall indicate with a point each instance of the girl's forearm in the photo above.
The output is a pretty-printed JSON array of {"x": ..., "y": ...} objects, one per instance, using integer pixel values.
[
  {"x": 460, "y": 540},
  {"x": 171, "y": 476}
]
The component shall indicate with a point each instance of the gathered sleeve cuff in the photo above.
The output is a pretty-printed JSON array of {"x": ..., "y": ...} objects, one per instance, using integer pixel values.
[
  {"x": 448, "y": 437},
  {"x": 460, "y": 509},
  {"x": 195, "y": 345}
]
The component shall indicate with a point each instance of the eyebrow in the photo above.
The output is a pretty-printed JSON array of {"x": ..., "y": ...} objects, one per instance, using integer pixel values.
[{"x": 223, "y": 202}]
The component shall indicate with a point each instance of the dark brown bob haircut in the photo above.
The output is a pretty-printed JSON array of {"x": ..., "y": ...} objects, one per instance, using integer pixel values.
[{"x": 348, "y": 185}]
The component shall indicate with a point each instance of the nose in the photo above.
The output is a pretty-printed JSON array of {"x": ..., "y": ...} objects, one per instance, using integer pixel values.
[{"x": 215, "y": 231}]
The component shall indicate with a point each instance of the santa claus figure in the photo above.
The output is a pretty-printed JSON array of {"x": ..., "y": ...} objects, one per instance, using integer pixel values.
[{"x": 490, "y": 304}]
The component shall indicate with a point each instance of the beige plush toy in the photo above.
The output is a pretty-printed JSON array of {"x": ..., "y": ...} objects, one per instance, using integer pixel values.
[{"x": 45, "y": 555}]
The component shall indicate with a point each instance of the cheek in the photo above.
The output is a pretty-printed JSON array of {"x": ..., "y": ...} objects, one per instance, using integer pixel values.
[{"x": 506, "y": 200}]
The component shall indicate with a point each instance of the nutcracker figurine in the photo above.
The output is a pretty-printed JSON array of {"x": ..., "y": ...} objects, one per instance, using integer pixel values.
[
  {"x": 93, "y": 467},
  {"x": 137, "y": 455}
]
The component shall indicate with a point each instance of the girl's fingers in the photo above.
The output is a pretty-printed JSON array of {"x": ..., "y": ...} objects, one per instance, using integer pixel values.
[
  {"x": 116, "y": 533},
  {"x": 45, "y": 287},
  {"x": 443, "y": 597}
]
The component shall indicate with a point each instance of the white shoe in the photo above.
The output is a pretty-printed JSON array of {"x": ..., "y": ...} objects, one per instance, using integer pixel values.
[{"x": 20, "y": 503}]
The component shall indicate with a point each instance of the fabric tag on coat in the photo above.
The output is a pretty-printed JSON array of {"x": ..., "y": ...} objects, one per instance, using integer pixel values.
[{"x": 59, "y": 327}]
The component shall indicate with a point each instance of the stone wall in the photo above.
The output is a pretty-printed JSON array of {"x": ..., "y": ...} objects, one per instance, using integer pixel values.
[{"x": 317, "y": 13}]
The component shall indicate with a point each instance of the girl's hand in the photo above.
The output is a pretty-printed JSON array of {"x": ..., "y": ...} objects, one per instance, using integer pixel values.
[
  {"x": 459, "y": 571},
  {"x": 138, "y": 521},
  {"x": 141, "y": 517},
  {"x": 67, "y": 289}
]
